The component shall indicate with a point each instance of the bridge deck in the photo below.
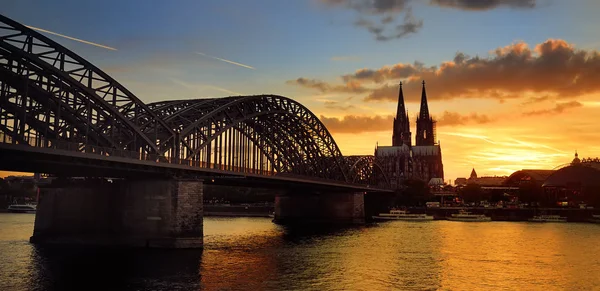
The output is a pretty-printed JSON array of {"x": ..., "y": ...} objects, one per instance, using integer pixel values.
[{"x": 26, "y": 158}]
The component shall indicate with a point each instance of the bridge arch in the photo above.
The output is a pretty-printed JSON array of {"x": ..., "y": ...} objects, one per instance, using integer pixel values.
[
  {"x": 366, "y": 170},
  {"x": 52, "y": 95},
  {"x": 109, "y": 108},
  {"x": 293, "y": 139}
]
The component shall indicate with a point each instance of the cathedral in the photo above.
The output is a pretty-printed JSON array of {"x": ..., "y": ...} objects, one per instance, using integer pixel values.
[{"x": 403, "y": 160}]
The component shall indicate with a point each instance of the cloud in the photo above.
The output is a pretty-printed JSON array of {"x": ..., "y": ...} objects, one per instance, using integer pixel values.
[
  {"x": 533, "y": 100},
  {"x": 559, "y": 108},
  {"x": 397, "y": 71},
  {"x": 554, "y": 68},
  {"x": 371, "y": 6},
  {"x": 379, "y": 16},
  {"x": 72, "y": 38},
  {"x": 360, "y": 124},
  {"x": 479, "y": 5},
  {"x": 408, "y": 26},
  {"x": 227, "y": 61},
  {"x": 357, "y": 124},
  {"x": 453, "y": 118},
  {"x": 348, "y": 87},
  {"x": 336, "y": 105}
]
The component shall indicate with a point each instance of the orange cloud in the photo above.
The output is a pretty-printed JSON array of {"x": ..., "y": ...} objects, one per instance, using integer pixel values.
[
  {"x": 360, "y": 124},
  {"x": 357, "y": 124},
  {"x": 559, "y": 108},
  {"x": 349, "y": 87},
  {"x": 453, "y": 118},
  {"x": 552, "y": 68}
]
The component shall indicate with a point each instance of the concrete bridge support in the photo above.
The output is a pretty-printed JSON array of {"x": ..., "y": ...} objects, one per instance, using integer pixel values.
[
  {"x": 140, "y": 213},
  {"x": 297, "y": 207}
]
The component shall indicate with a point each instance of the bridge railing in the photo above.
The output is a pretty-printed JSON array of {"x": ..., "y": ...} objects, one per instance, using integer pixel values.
[{"x": 41, "y": 142}]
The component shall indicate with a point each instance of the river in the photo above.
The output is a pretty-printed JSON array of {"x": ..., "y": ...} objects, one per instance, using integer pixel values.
[{"x": 255, "y": 254}]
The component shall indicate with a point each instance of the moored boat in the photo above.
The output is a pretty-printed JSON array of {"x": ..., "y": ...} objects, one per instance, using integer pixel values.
[
  {"x": 595, "y": 219},
  {"x": 548, "y": 218},
  {"x": 22, "y": 208},
  {"x": 395, "y": 214},
  {"x": 466, "y": 216}
]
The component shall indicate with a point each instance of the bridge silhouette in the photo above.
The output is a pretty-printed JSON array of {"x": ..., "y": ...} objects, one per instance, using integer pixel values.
[
  {"x": 53, "y": 99},
  {"x": 60, "y": 114}
]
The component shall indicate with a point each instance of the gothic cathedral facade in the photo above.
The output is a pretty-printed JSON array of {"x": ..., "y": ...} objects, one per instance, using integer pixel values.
[{"x": 403, "y": 160}]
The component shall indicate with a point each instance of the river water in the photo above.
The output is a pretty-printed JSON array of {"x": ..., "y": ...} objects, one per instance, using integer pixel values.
[{"x": 255, "y": 254}]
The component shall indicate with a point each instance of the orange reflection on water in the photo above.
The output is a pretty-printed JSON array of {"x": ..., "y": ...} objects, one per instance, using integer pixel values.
[
  {"x": 237, "y": 254},
  {"x": 508, "y": 256}
]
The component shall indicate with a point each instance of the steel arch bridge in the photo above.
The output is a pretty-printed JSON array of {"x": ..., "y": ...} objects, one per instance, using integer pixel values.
[{"x": 52, "y": 98}]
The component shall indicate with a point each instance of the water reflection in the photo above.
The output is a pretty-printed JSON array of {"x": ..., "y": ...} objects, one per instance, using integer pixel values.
[
  {"x": 254, "y": 254},
  {"x": 59, "y": 268}
]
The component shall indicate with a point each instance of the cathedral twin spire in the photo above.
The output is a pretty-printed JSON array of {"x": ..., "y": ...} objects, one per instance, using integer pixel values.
[
  {"x": 401, "y": 134},
  {"x": 424, "y": 113},
  {"x": 425, "y": 124}
]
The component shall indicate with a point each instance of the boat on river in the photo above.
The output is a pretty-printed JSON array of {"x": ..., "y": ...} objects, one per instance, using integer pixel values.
[
  {"x": 466, "y": 216},
  {"x": 548, "y": 218},
  {"x": 595, "y": 219},
  {"x": 22, "y": 208},
  {"x": 395, "y": 214}
]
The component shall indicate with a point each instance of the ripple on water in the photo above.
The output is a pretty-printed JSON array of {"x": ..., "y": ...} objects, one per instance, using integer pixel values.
[{"x": 255, "y": 254}]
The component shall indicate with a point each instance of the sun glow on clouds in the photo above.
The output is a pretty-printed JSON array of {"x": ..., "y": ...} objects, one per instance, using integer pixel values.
[{"x": 499, "y": 151}]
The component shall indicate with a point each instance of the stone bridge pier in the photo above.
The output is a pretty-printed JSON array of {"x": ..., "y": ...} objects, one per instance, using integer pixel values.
[
  {"x": 140, "y": 213},
  {"x": 299, "y": 207}
]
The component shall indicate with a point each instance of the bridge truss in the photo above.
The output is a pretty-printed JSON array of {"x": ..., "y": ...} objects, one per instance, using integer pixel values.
[{"x": 52, "y": 98}]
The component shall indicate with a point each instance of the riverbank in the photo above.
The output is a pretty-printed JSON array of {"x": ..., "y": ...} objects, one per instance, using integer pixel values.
[{"x": 511, "y": 214}]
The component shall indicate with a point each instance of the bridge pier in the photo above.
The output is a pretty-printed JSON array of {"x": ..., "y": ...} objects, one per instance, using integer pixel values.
[
  {"x": 139, "y": 213},
  {"x": 298, "y": 207}
]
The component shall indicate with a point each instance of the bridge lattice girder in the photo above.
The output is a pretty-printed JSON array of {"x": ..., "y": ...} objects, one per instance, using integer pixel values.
[
  {"x": 291, "y": 137},
  {"x": 105, "y": 104},
  {"x": 365, "y": 170},
  {"x": 49, "y": 94}
]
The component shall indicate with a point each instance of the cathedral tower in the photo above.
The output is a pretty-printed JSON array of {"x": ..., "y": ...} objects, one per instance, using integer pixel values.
[
  {"x": 425, "y": 124},
  {"x": 401, "y": 132}
]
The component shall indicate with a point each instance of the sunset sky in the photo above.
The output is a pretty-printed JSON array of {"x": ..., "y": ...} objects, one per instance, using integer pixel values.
[{"x": 513, "y": 83}]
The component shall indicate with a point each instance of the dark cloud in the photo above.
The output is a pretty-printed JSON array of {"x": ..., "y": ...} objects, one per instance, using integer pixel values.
[
  {"x": 478, "y": 5},
  {"x": 371, "y": 6},
  {"x": 553, "y": 68},
  {"x": 559, "y": 108},
  {"x": 379, "y": 16},
  {"x": 397, "y": 71},
  {"x": 409, "y": 25}
]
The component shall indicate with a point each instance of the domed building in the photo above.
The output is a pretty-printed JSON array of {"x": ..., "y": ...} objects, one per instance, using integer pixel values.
[{"x": 575, "y": 184}]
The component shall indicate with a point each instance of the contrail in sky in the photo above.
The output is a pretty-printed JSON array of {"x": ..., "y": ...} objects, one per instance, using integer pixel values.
[
  {"x": 72, "y": 38},
  {"x": 227, "y": 61}
]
